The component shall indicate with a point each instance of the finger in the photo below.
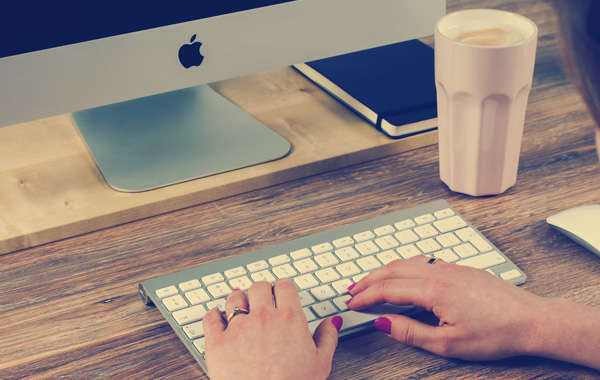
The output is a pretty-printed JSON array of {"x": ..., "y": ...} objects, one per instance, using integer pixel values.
[
  {"x": 260, "y": 295},
  {"x": 397, "y": 292},
  {"x": 415, "y": 267},
  {"x": 286, "y": 294},
  {"x": 414, "y": 333},
  {"x": 326, "y": 338},
  {"x": 237, "y": 298},
  {"x": 213, "y": 325}
]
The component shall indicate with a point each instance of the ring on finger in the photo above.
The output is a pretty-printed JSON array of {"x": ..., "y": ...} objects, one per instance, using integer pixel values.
[
  {"x": 236, "y": 311},
  {"x": 432, "y": 260}
]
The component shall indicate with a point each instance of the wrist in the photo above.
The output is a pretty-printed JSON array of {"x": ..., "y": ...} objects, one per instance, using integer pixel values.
[{"x": 566, "y": 330}]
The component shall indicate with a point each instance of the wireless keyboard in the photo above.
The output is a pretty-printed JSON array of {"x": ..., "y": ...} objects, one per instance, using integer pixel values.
[{"x": 323, "y": 265}]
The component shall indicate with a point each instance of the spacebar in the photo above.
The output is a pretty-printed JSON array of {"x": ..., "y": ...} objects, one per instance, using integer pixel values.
[{"x": 357, "y": 318}]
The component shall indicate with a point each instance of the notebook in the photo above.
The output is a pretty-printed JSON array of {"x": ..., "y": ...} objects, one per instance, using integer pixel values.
[{"x": 391, "y": 86}]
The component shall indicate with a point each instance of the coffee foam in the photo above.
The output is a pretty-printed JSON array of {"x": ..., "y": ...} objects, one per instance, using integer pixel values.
[{"x": 494, "y": 36}]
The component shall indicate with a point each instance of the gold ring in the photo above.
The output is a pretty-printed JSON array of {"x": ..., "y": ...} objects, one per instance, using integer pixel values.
[
  {"x": 432, "y": 261},
  {"x": 236, "y": 311}
]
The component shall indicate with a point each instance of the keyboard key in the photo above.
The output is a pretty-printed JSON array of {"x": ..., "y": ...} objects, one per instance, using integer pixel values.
[
  {"x": 322, "y": 248},
  {"x": 326, "y": 260},
  {"x": 235, "y": 272},
  {"x": 301, "y": 254},
  {"x": 174, "y": 303},
  {"x": 324, "y": 309},
  {"x": 278, "y": 260},
  {"x": 348, "y": 269},
  {"x": 363, "y": 236},
  {"x": 166, "y": 292},
  {"x": 368, "y": 263},
  {"x": 347, "y": 254},
  {"x": 385, "y": 230},
  {"x": 189, "y": 285},
  {"x": 219, "y": 290},
  {"x": 341, "y": 286},
  {"x": 322, "y": 293},
  {"x": 194, "y": 330},
  {"x": 284, "y": 271},
  {"x": 359, "y": 277},
  {"x": 480, "y": 243},
  {"x": 367, "y": 248},
  {"x": 408, "y": 251},
  {"x": 258, "y": 266},
  {"x": 327, "y": 275},
  {"x": 305, "y": 265},
  {"x": 189, "y": 315},
  {"x": 441, "y": 214},
  {"x": 510, "y": 275},
  {"x": 426, "y": 231},
  {"x": 466, "y": 234},
  {"x": 450, "y": 224},
  {"x": 483, "y": 261},
  {"x": 264, "y": 275},
  {"x": 387, "y": 257},
  {"x": 427, "y": 218},
  {"x": 387, "y": 242},
  {"x": 305, "y": 298},
  {"x": 213, "y": 279},
  {"x": 465, "y": 250},
  {"x": 220, "y": 304},
  {"x": 340, "y": 302},
  {"x": 197, "y": 296},
  {"x": 406, "y": 237},
  {"x": 405, "y": 224},
  {"x": 448, "y": 240},
  {"x": 242, "y": 283},
  {"x": 428, "y": 246},
  {"x": 343, "y": 242},
  {"x": 306, "y": 281},
  {"x": 446, "y": 255}
]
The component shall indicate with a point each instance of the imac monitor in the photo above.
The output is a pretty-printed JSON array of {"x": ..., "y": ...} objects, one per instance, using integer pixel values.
[{"x": 134, "y": 74}]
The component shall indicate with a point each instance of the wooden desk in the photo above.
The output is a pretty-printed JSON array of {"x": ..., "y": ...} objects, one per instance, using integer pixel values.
[{"x": 70, "y": 308}]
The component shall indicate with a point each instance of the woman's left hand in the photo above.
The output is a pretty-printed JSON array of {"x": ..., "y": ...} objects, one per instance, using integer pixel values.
[{"x": 272, "y": 341}]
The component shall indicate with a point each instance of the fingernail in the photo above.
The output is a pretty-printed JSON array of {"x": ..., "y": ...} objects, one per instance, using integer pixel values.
[
  {"x": 337, "y": 322},
  {"x": 351, "y": 286},
  {"x": 348, "y": 301},
  {"x": 383, "y": 324},
  {"x": 234, "y": 289}
]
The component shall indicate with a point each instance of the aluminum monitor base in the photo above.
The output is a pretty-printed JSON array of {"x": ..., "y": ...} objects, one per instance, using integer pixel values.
[{"x": 160, "y": 140}]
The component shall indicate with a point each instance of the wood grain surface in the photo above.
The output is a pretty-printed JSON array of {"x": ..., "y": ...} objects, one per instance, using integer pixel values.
[
  {"x": 70, "y": 309},
  {"x": 52, "y": 189}
]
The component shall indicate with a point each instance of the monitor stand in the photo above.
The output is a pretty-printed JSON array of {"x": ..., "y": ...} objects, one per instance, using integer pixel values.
[{"x": 164, "y": 139}]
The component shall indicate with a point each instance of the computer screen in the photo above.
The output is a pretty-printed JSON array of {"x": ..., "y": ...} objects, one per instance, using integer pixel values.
[{"x": 134, "y": 72}]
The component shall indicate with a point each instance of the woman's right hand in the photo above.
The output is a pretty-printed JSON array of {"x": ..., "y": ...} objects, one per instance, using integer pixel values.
[{"x": 481, "y": 316}]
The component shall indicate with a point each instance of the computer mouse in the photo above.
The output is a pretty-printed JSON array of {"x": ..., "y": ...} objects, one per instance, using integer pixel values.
[{"x": 582, "y": 224}]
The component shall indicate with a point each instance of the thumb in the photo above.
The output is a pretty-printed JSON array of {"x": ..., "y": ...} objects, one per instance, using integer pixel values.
[
  {"x": 411, "y": 332},
  {"x": 326, "y": 337}
]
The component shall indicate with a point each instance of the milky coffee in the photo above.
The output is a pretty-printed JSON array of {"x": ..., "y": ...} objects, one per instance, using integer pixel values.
[{"x": 494, "y": 36}]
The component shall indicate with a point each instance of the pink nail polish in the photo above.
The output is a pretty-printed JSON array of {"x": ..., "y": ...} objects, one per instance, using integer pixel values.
[
  {"x": 383, "y": 324},
  {"x": 337, "y": 322},
  {"x": 234, "y": 289},
  {"x": 351, "y": 286},
  {"x": 348, "y": 301}
]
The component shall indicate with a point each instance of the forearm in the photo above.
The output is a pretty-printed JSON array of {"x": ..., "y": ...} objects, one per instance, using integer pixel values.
[{"x": 568, "y": 331}]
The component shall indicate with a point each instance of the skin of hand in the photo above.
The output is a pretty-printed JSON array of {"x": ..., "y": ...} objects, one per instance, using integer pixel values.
[
  {"x": 481, "y": 316},
  {"x": 272, "y": 341}
]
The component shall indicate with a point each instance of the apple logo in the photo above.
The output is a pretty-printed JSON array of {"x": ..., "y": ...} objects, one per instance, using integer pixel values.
[{"x": 189, "y": 54}]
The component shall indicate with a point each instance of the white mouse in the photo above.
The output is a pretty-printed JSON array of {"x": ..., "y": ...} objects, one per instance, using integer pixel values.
[{"x": 582, "y": 224}]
